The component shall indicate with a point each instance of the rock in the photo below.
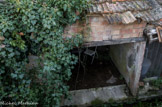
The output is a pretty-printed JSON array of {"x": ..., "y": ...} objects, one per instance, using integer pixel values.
[
  {"x": 150, "y": 79},
  {"x": 111, "y": 80},
  {"x": 154, "y": 88},
  {"x": 145, "y": 89}
]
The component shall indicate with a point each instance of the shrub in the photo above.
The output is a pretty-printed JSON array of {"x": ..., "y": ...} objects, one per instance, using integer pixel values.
[{"x": 36, "y": 27}]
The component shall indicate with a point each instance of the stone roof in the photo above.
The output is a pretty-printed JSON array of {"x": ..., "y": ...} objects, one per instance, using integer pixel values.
[
  {"x": 160, "y": 2},
  {"x": 126, "y": 11}
]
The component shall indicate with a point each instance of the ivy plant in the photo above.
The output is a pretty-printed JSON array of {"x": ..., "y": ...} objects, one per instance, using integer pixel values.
[{"x": 35, "y": 27}]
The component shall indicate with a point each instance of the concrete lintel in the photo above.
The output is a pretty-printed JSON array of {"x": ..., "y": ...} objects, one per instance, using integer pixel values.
[{"x": 114, "y": 42}]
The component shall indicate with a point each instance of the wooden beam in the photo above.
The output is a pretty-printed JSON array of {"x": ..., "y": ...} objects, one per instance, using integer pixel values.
[
  {"x": 114, "y": 42},
  {"x": 159, "y": 32}
]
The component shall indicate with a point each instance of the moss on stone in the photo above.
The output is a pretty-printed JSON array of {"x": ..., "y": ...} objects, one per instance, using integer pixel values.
[
  {"x": 96, "y": 102},
  {"x": 111, "y": 100}
]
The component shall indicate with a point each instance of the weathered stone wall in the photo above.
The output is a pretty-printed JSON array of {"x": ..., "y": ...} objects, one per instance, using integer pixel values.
[
  {"x": 128, "y": 59},
  {"x": 96, "y": 28}
]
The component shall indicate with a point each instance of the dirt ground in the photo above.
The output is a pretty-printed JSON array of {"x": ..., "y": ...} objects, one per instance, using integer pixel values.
[{"x": 95, "y": 75}]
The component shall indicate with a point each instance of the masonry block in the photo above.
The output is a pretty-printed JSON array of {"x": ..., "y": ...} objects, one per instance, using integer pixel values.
[
  {"x": 128, "y": 59},
  {"x": 139, "y": 25},
  {"x": 115, "y": 32},
  {"x": 114, "y": 37},
  {"x": 98, "y": 29},
  {"x": 129, "y": 26},
  {"x": 98, "y": 38},
  {"x": 138, "y": 30},
  {"x": 126, "y": 31},
  {"x": 130, "y": 35}
]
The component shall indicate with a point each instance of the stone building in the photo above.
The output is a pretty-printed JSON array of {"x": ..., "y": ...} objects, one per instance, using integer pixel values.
[{"x": 120, "y": 24}]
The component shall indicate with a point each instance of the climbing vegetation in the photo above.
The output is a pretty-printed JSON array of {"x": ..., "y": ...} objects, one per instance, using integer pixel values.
[
  {"x": 157, "y": 83},
  {"x": 35, "y": 27}
]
